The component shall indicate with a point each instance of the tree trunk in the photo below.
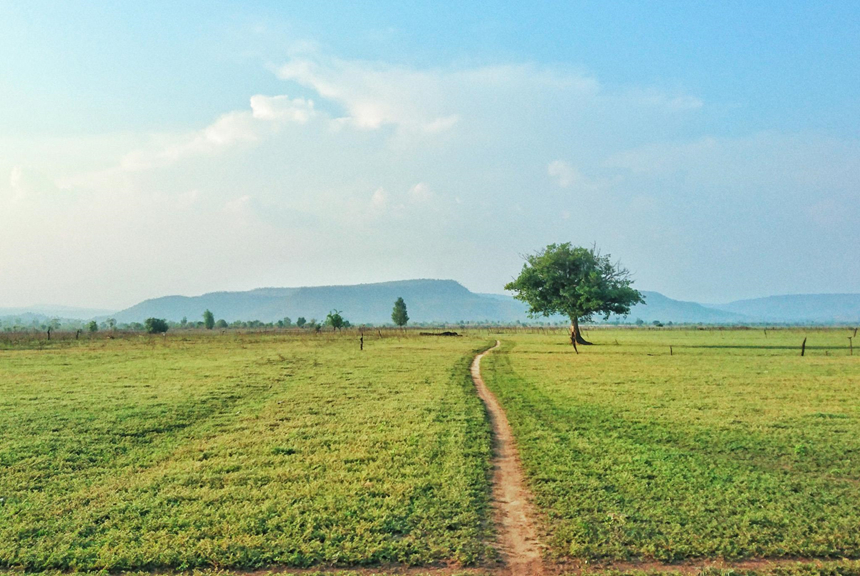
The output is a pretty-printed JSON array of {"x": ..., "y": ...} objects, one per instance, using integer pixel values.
[{"x": 576, "y": 333}]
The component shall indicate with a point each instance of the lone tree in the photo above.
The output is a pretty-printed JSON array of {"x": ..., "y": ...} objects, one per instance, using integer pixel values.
[
  {"x": 399, "y": 315},
  {"x": 335, "y": 320},
  {"x": 208, "y": 320},
  {"x": 575, "y": 281},
  {"x": 155, "y": 325}
]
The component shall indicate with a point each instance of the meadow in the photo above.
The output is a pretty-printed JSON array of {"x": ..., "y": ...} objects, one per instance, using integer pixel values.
[
  {"x": 240, "y": 451},
  {"x": 728, "y": 445},
  {"x": 233, "y": 451}
]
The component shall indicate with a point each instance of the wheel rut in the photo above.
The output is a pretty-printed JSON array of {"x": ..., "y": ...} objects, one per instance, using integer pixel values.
[{"x": 517, "y": 538}]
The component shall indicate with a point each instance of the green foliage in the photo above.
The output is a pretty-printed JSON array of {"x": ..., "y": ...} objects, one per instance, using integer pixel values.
[
  {"x": 240, "y": 452},
  {"x": 301, "y": 321},
  {"x": 221, "y": 324},
  {"x": 399, "y": 315},
  {"x": 732, "y": 447},
  {"x": 208, "y": 320},
  {"x": 155, "y": 325},
  {"x": 574, "y": 281},
  {"x": 93, "y": 326},
  {"x": 287, "y": 322},
  {"x": 334, "y": 319}
]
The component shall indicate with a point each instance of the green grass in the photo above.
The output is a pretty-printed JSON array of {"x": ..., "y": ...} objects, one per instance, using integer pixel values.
[
  {"x": 241, "y": 451},
  {"x": 732, "y": 447}
]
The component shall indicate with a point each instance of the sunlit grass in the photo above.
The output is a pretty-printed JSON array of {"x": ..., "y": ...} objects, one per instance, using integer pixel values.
[
  {"x": 242, "y": 451},
  {"x": 733, "y": 446}
]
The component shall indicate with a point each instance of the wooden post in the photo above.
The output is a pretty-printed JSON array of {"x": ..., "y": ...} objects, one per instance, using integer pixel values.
[
  {"x": 765, "y": 332},
  {"x": 803, "y": 347},
  {"x": 850, "y": 346},
  {"x": 361, "y": 341},
  {"x": 670, "y": 351}
]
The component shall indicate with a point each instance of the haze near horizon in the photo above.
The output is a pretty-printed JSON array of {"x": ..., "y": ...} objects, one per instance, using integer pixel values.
[{"x": 186, "y": 149}]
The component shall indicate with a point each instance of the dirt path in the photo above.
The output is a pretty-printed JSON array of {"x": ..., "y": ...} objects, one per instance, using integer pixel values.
[{"x": 517, "y": 537}]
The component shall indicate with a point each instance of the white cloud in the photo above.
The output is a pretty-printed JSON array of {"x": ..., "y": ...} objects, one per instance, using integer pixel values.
[
  {"x": 343, "y": 181},
  {"x": 266, "y": 116},
  {"x": 282, "y": 108},
  {"x": 564, "y": 174},
  {"x": 421, "y": 192},
  {"x": 378, "y": 198}
]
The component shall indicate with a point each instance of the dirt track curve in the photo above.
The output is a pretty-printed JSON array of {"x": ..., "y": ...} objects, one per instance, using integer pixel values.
[{"x": 517, "y": 537}]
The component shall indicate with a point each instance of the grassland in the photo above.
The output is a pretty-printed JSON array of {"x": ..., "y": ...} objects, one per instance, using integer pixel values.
[
  {"x": 241, "y": 451},
  {"x": 731, "y": 447},
  {"x": 207, "y": 451}
]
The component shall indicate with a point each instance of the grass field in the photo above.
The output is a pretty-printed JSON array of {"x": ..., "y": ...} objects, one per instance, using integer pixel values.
[
  {"x": 732, "y": 447},
  {"x": 208, "y": 450},
  {"x": 241, "y": 451}
]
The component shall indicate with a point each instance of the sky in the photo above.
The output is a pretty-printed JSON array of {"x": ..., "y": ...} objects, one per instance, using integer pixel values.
[{"x": 161, "y": 148}]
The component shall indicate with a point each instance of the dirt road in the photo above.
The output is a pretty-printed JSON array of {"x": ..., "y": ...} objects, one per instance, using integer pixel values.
[{"x": 517, "y": 537}]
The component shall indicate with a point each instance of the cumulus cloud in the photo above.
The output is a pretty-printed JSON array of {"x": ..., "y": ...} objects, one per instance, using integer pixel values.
[
  {"x": 266, "y": 116},
  {"x": 376, "y": 94}
]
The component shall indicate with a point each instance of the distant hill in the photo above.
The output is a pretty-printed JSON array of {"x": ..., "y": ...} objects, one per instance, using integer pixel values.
[
  {"x": 426, "y": 301},
  {"x": 47, "y": 312},
  {"x": 449, "y": 301},
  {"x": 664, "y": 309},
  {"x": 799, "y": 308}
]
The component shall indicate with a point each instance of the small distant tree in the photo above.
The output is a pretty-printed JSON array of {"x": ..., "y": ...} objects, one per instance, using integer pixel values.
[
  {"x": 301, "y": 321},
  {"x": 399, "y": 315},
  {"x": 335, "y": 319},
  {"x": 208, "y": 320},
  {"x": 93, "y": 326},
  {"x": 184, "y": 321},
  {"x": 221, "y": 324},
  {"x": 111, "y": 323},
  {"x": 287, "y": 322},
  {"x": 575, "y": 281},
  {"x": 155, "y": 325}
]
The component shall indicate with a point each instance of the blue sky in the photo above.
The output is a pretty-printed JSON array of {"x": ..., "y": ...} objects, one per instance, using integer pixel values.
[{"x": 163, "y": 147}]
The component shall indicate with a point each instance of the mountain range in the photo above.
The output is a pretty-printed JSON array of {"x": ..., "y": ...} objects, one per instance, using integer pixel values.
[{"x": 449, "y": 301}]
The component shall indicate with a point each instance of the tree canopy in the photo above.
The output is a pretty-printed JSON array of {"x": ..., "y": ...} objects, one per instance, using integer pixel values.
[
  {"x": 208, "y": 320},
  {"x": 155, "y": 325},
  {"x": 335, "y": 319},
  {"x": 399, "y": 315},
  {"x": 576, "y": 282}
]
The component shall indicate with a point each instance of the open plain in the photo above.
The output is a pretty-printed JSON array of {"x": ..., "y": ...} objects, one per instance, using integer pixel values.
[{"x": 654, "y": 450}]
